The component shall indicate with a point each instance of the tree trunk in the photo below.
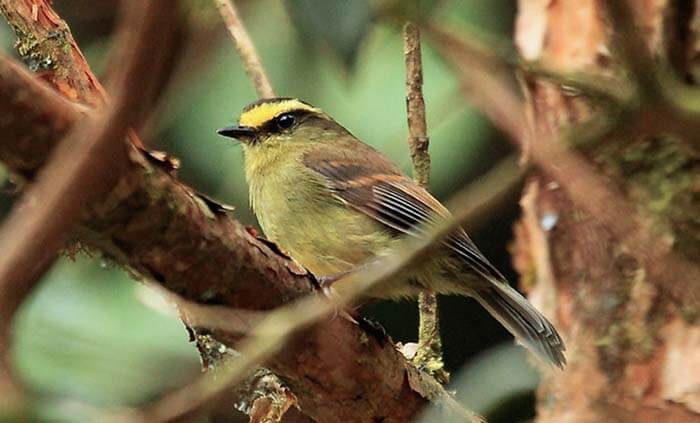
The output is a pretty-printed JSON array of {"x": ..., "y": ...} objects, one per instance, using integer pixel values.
[{"x": 634, "y": 353}]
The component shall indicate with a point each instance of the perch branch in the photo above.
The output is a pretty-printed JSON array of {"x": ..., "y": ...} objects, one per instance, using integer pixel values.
[
  {"x": 162, "y": 230},
  {"x": 44, "y": 38},
  {"x": 82, "y": 169},
  {"x": 277, "y": 329},
  {"x": 429, "y": 354},
  {"x": 245, "y": 48}
]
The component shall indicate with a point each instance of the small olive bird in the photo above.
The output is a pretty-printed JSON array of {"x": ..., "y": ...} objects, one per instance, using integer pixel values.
[{"x": 333, "y": 202}]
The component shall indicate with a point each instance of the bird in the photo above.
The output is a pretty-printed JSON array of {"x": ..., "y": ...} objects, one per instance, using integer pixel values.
[{"x": 335, "y": 203}]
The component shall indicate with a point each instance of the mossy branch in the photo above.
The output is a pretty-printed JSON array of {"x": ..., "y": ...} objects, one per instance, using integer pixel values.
[
  {"x": 94, "y": 151},
  {"x": 164, "y": 231}
]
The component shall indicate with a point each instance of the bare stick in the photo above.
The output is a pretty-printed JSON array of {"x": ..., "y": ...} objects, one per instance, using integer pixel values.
[
  {"x": 429, "y": 354},
  {"x": 246, "y": 49},
  {"x": 85, "y": 167},
  {"x": 415, "y": 105}
]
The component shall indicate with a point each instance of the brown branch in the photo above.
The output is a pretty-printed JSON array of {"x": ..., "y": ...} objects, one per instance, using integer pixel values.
[
  {"x": 429, "y": 353},
  {"x": 45, "y": 38},
  {"x": 162, "y": 230},
  {"x": 276, "y": 330},
  {"x": 245, "y": 48},
  {"x": 83, "y": 169},
  {"x": 47, "y": 45}
]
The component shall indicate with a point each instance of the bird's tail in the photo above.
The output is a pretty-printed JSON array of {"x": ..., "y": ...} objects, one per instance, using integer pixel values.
[{"x": 528, "y": 325}]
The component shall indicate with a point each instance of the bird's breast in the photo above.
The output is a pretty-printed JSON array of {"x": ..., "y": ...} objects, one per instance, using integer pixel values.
[{"x": 299, "y": 213}]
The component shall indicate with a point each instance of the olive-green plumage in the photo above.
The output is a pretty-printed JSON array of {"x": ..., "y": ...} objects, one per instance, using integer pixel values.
[{"x": 334, "y": 203}]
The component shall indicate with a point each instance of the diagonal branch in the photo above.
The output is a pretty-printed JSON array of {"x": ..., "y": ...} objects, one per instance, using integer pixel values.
[
  {"x": 278, "y": 328},
  {"x": 82, "y": 169},
  {"x": 245, "y": 48},
  {"x": 162, "y": 230}
]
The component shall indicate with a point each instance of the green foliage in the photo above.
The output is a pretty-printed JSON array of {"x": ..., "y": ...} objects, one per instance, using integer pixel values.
[
  {"x": 90, "y": 333},
  {"x": 338, "y": 25}
]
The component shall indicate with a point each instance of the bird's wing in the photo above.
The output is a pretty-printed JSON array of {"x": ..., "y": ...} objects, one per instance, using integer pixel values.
[{"x": 379, "y": 190}]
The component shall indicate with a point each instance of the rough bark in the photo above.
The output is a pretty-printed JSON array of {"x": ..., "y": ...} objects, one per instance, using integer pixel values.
[
  {"x": 634, "y": 352},
  {"x": 162, "y": 230},
  {"x": 47, "y": 45}
]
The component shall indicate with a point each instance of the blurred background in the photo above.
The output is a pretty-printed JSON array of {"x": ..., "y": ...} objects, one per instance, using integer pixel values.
[{"x": 94, "y": 335}]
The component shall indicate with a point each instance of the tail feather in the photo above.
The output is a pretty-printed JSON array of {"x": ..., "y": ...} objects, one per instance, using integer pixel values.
[{"x": 521, "y": 319}]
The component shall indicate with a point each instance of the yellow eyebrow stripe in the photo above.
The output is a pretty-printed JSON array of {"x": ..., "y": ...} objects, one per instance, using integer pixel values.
[{"x": 265, "y": 112}]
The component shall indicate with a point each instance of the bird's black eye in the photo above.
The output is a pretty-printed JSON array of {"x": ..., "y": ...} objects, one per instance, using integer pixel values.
[{"x": 285, "y": 121}]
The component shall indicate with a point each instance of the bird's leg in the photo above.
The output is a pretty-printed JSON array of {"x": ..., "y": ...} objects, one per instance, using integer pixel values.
[
  {"x": 325, "y": 284},
  {"x": 326, "y": 281}
]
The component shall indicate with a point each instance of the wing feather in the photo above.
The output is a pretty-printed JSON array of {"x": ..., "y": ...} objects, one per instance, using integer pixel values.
[
  {"x": 384, "y": 194},
  {"x": 379, "y": 190}
]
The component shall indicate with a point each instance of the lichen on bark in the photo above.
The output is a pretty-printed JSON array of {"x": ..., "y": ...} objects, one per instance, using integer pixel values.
[{"x": 619, "y": 322}]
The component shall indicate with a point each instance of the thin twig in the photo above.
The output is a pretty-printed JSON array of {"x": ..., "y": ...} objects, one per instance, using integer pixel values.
[
  {"x": 246, "y": 49},
  {"x": 429, "y": 354},
  {"x": 85, "y": 166},
  {"x": 415, "y": 105}
]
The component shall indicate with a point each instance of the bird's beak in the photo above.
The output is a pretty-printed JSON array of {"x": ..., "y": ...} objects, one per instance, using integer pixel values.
[{"x": 241, "y": 133}]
